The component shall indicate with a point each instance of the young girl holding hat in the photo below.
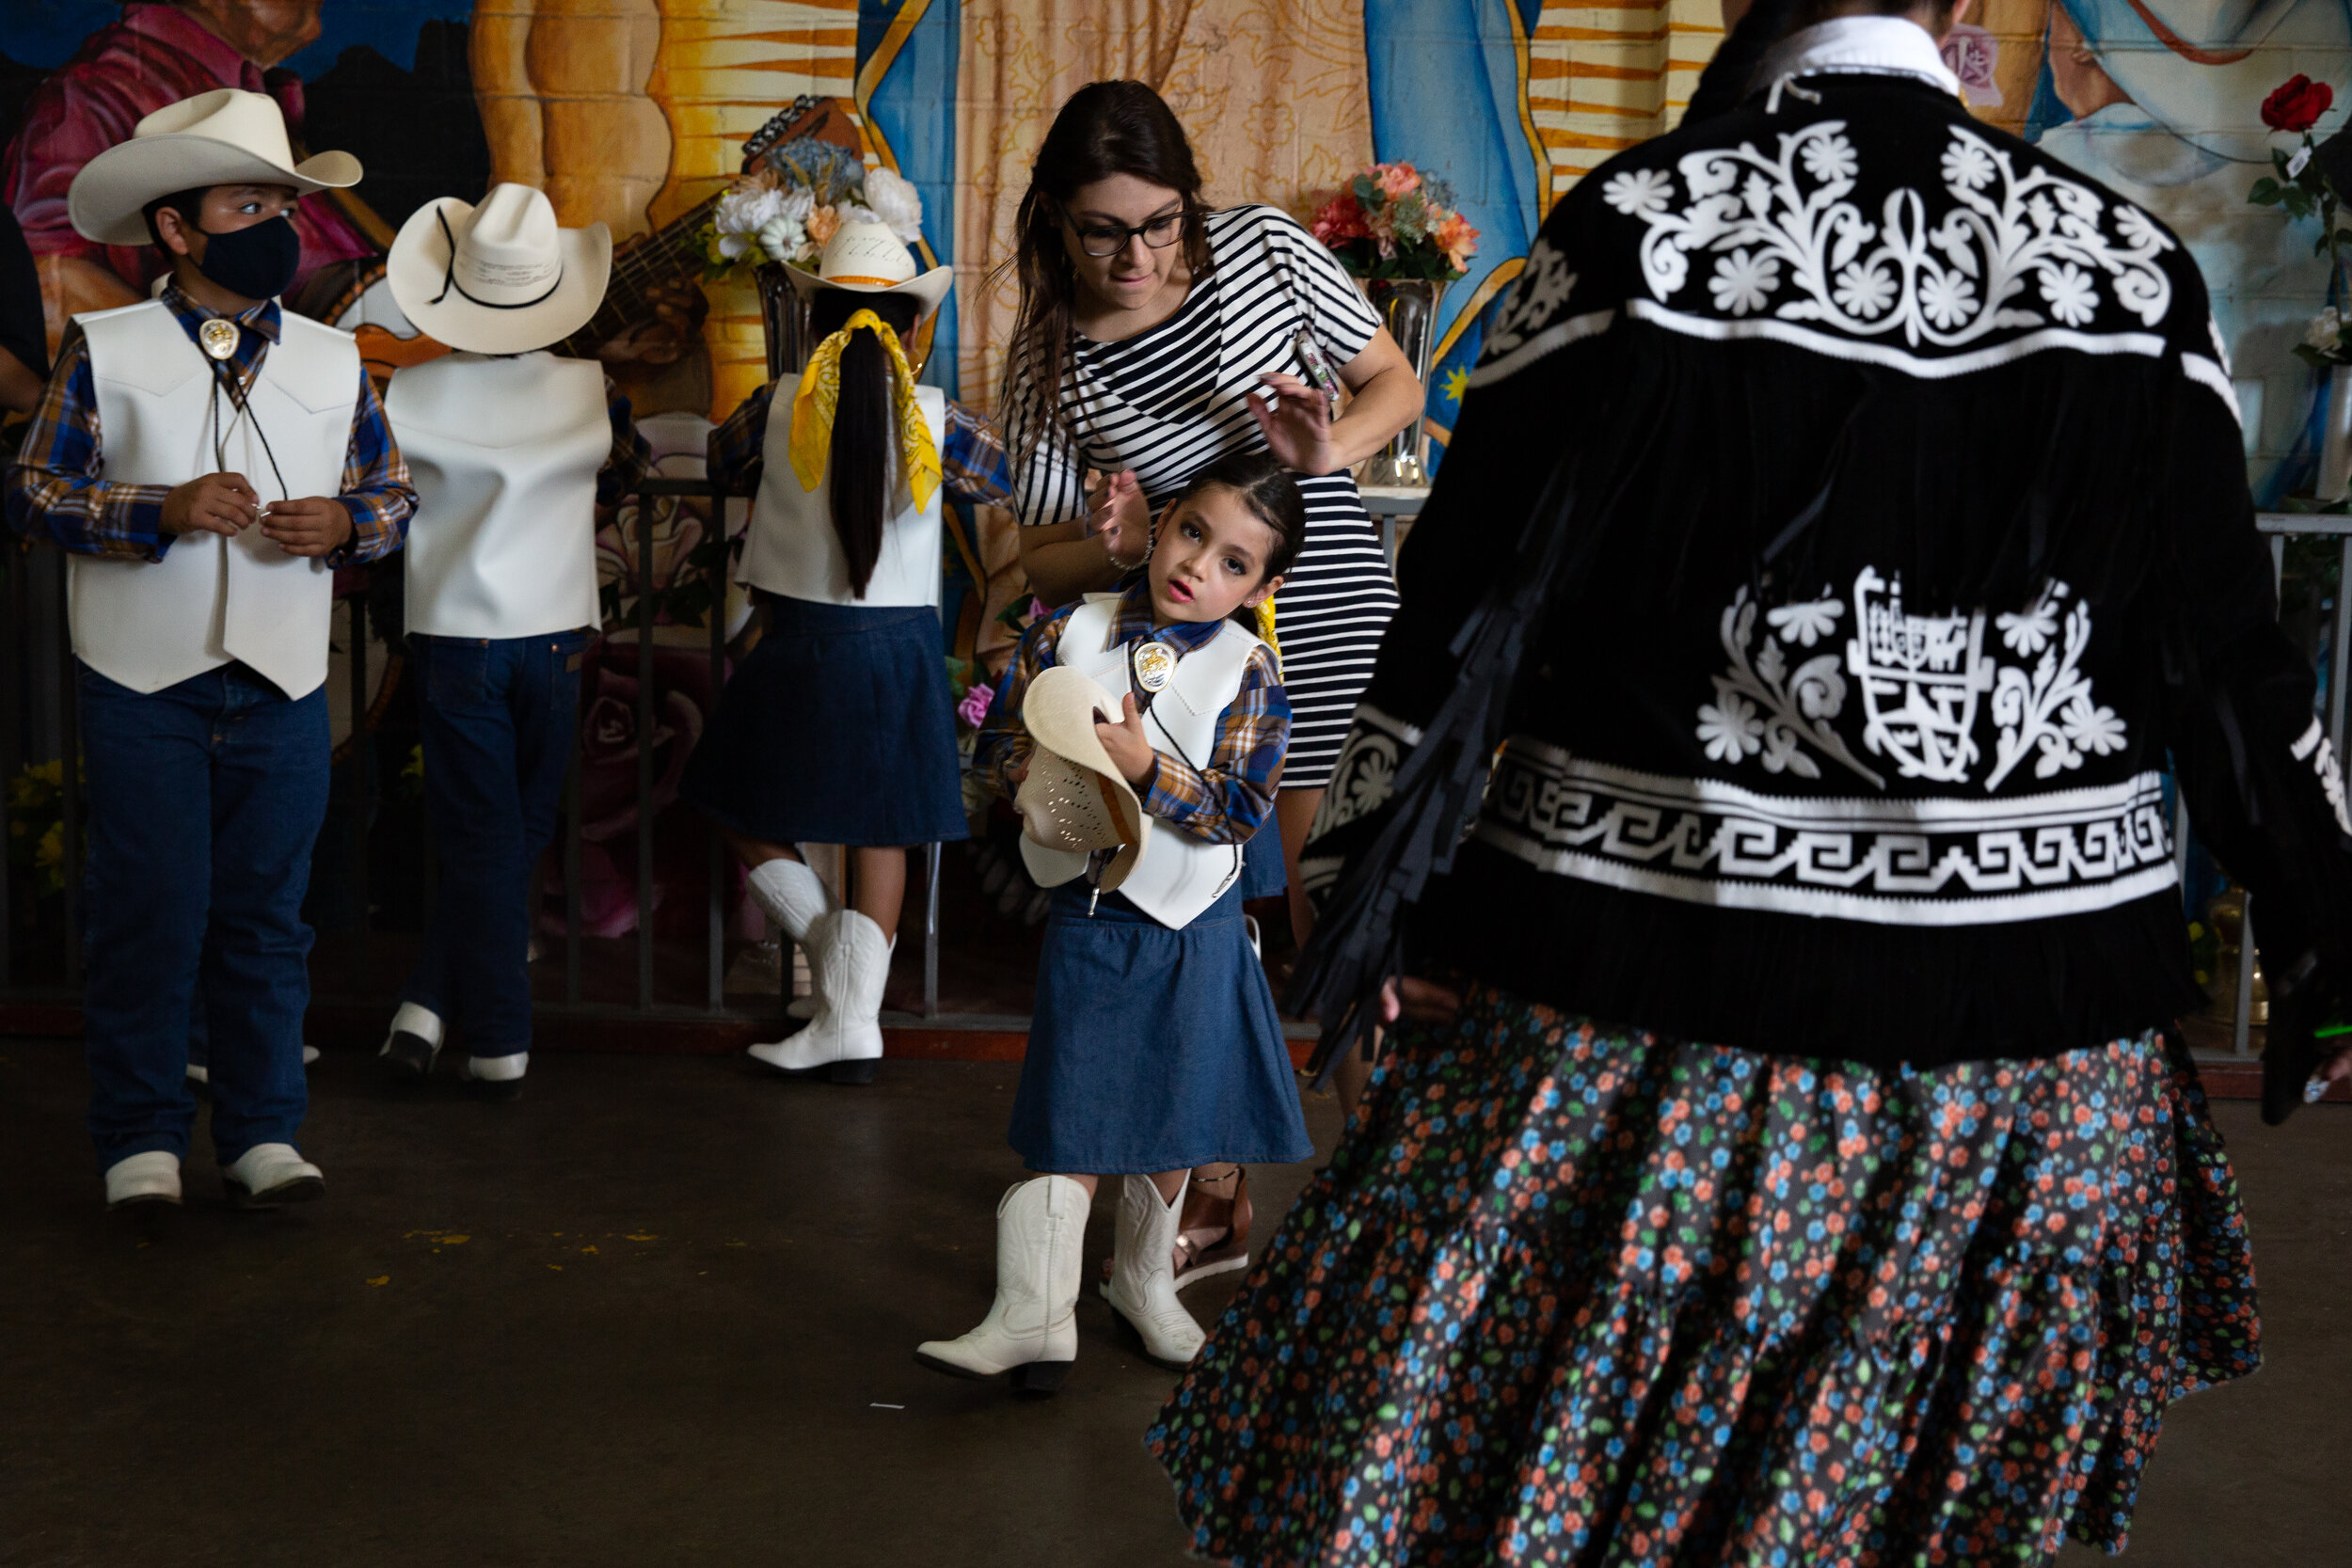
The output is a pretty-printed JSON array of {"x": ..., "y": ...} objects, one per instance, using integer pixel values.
[
  {"x": 839, "y": 729},
  {"x": 1155, "y": 1046},
  {"x": 511, "y": 448}
]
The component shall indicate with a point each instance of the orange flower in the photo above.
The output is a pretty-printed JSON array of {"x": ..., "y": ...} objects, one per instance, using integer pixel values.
[
  {"x": 1396, "y": 179},
  {"x": 1458, "y": 240},
  {"x": 822, "y": 225}
]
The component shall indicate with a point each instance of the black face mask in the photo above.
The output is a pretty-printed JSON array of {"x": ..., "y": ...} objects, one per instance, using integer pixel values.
[{"x": 257, "y": 262}]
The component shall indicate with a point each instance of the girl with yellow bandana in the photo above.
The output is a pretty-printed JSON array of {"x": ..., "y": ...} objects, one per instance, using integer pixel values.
[{"x": 838, "y": 729}]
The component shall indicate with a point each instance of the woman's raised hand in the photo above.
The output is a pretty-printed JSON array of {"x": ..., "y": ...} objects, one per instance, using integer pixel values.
[
  {"x": 1296, "y": 420},
  {"x": 1122, "y": 521}
]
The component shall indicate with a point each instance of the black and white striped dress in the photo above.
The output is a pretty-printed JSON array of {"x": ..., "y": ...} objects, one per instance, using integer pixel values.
[{"x": 1170, "y": 400}]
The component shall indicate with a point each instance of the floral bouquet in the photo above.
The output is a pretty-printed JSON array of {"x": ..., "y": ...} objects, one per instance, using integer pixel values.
[
  {"x": 793, "y": 202},
  {"x": 1392, "y": 221}
]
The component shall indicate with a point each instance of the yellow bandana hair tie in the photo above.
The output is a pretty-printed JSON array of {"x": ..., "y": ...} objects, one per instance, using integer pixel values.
[
  {"x": 1266, "y": 628},
  {"x": 820, "y": 394}
]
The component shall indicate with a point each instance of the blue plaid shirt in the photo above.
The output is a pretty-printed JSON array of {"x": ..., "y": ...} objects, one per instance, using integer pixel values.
[
  {"x": 1221, "y": 801},
  {"x": 55, "y": 492}
]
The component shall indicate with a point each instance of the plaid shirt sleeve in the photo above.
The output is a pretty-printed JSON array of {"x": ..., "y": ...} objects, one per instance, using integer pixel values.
[
  {"x": 1003, "y": 744},
  {"x": 53, "y": 489},
  {"x": 973, "y": 458},
  {"x": 632, "y": 457},
  {"x": 735, "y": 456},
  {"x": 1225, "y": 801},
  {"x": 376, "y": 487}
]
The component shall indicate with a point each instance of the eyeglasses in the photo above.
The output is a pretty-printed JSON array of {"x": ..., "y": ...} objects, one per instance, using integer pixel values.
[{"x": 1106, "y": 240}]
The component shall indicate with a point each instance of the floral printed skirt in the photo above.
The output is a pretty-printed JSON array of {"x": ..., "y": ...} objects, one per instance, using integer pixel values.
[{"x": 1570, "y": 1295}]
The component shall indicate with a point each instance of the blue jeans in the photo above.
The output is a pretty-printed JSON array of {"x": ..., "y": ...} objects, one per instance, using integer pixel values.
[
  {"x": 205, "y": 798},
  {"x": 499, "y": 715}
]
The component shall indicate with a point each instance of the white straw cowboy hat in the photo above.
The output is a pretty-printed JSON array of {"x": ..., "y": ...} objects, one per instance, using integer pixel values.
[
  {"x": 501, "y": 277},
  {"x": 1074, "y": 800},
  {"x": 868, "y": 259},
  {"x": 227, "y": 136}
]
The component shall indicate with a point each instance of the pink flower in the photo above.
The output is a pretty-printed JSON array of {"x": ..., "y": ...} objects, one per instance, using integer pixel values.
[
  {"x": 1396, "y": 179},
  {"x": 975, "y": 707},
  {"x": 1339, "y": 220}
]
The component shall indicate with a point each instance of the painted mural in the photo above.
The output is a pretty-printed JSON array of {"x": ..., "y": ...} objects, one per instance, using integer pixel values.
[{"x": 635, "y": 112}]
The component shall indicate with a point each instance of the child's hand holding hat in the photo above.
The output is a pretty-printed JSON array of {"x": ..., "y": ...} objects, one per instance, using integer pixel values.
[{"x": 1123, "y": 742}]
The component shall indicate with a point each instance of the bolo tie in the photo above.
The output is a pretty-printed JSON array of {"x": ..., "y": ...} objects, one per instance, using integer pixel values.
[{"x": 218, "y": 335}]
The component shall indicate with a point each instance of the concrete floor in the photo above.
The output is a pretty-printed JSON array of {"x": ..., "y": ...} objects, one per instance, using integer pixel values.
[{"x": 659, "y": 1312}]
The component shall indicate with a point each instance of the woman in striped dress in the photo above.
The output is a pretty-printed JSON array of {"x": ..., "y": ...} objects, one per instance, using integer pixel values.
[{"x": 1169, "y": 336}]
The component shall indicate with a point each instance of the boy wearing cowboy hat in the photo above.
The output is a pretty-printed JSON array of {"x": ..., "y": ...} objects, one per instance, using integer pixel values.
[
  {"x": 513, "y": 449},
  {"x": 208, "y": 461},
  {"x": 839, "y": 728}
]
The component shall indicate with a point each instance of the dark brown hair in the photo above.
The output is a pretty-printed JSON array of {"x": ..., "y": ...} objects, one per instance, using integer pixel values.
[
  {"x": 1271, "y": 493},
  {"x": 864, "y": 430},
  {"x": 1107, "y": 128},
  {"x": 189, "y": 204}
]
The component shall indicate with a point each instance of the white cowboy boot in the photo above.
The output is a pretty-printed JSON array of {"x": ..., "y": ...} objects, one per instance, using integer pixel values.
[
  {"x": 1031, "y": 1329},
  {"x": 1143, "y": 1276},
  {"x": 796, "y": 898},
  {"x": 845, "y": 1039}
]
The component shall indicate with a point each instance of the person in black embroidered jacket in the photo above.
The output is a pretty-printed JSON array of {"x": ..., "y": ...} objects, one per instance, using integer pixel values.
[{"x": 1845, "y": 533}]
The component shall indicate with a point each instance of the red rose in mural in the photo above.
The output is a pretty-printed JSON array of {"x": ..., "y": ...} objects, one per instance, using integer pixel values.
[{"x": 2297, "y": 104}]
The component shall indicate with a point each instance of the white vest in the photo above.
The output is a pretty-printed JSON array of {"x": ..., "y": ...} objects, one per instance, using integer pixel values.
[
  {"x": 791, "y": 549},
  {"x": 148, "y": 625},
  {"x": 1178, "y": 876},
  {"x": 504, "y": 454}
]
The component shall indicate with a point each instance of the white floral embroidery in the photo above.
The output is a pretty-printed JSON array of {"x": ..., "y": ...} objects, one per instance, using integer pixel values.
[
  {"x": 2067, "y": 288},
  {"x": 1799, "y": 706},
  {"x": 1948, "y": 299},
  {"x": 2049, "y": 709},
  {"x": 1362, "y": 779},
  {"x": 1831, "y": 159},
  {"x": 1642, "y": 190},
  {"x": 1543, "y": 289},
  {"x": 1867, "y": 292},
  {"x": 1946, "y": 270},
  {"x": 1806, "y": 623},
  {"x": 1967, "y": 164},
  {"x": 2028, "y": 634},
  {"x": 1742, "y": 283},
  {"x": 1731, "y": 731},
  {"x": 2314, "y": 745},
  {"x": 1923, "y": 680}
]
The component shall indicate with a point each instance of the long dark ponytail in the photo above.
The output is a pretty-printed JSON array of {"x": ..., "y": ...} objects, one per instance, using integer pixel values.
[
  {"x": 865, "y": 429},
  {"x": 1107, "y": 128}
]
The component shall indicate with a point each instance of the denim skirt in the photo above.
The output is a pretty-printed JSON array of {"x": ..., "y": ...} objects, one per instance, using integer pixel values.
[
  {"x": 1263, "y": 873},
  {"x": 838, "y": 729},
  {"x": 1152, "y": 1050}
]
